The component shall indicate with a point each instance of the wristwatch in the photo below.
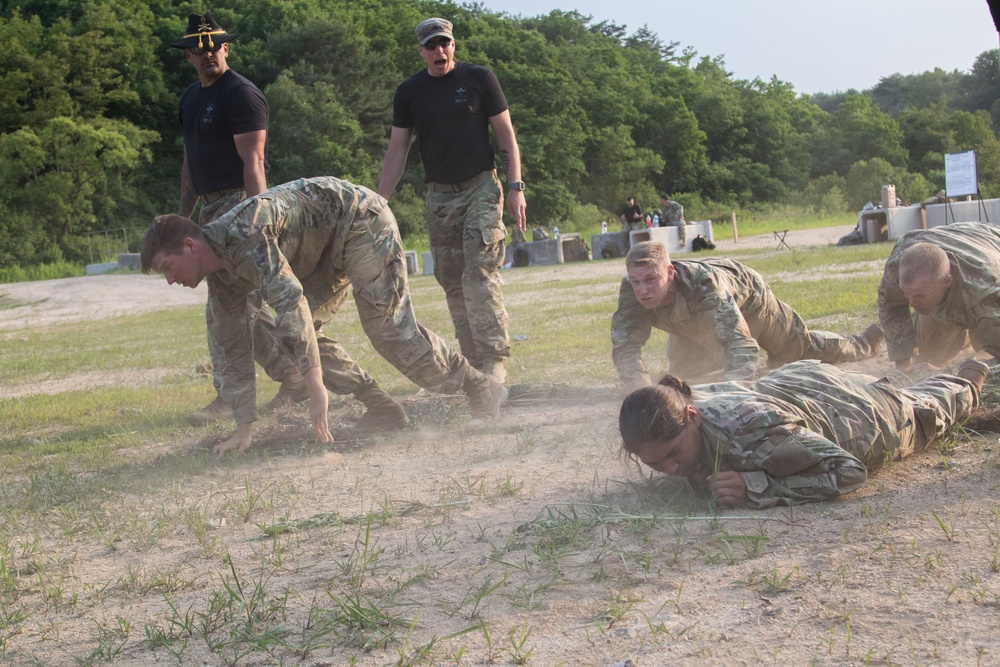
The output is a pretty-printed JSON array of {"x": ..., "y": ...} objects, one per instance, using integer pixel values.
[{"x": 516, "y": 185}]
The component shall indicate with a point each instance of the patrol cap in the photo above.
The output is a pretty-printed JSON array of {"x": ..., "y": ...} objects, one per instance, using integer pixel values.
[{"x": 430, "y": 28}]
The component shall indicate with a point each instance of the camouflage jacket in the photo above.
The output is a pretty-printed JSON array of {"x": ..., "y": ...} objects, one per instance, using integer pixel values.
[
  {"x": 672, "y": 213},
  {"x": 290, "y": 235},
  {"x": 807, "y": 431},
  {"x": 716, "y": 299},
  {"x": 972, "y": 302}
]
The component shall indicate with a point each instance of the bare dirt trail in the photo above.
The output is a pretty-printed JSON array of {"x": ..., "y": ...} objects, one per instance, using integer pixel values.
[{"x": 46, "y": 302}]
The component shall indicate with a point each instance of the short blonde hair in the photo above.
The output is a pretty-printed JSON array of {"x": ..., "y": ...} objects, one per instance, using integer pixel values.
[
  {"x": 647, "y": 253},
  {"x": 166, "y": 234},
  {"x": 923, "y": 260}
]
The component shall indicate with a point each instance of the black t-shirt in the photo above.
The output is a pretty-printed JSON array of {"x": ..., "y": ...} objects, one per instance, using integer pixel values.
[
  {"x": 209, "y": 119},
  {"x": 632, "y": 213},
  {"x": 451, "y": 116}
]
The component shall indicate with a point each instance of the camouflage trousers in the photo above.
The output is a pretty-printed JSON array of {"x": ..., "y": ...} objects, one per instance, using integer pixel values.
[
  {"x": 272, "y": 356},
  {"x": 681, "y": 229},
  {"x": 374, "y": 266},
  {"x": 939, "y": 342},
  {"x": 779, "y": 330},
  {"x": 467, "y": 235},
  {"x": 927, "y": 410}
]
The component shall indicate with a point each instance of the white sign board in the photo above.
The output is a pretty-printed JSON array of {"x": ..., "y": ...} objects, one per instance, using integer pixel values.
[{"x": 960, "y": 174}]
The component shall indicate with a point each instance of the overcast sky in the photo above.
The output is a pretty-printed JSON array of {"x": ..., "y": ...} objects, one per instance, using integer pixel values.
[{"x": 817, "y": 46}]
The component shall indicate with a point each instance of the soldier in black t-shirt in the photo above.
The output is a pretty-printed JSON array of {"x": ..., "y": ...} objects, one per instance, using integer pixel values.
[
  {"x": 632, "y": 215},
  {"x": 223, "y": 119},
  {"x": 452, "y": 106}
]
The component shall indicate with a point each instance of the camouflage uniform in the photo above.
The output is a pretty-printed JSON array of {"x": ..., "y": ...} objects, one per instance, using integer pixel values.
[
  {"x": 721, "y": 313},
  {"x": 971, "y": 307},
  {"x": 673, "y": 216},
  {"x": 268, "y": 350},
  {"x": 300, "y": 244},
  {"x": 467, "y": 237},
  {"x": 810, "y": 431}
]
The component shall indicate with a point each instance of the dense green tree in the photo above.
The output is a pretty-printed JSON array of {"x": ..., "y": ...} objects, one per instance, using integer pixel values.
[
  {"x": 896, "y": 92},
  {"x": 857, "y": 130},
  {"x": 671, "y": 130},
  {"x": 65, "y": 177},
  {"x": 90, "y": 137},
  {"x": 866, "y": 177},
  {"x": 616, "y": 168},
  {"x": 826, "y": 195},
  {"x": 927, "y": 133},
  {"x": 982, "y": 87},
  {"x": 974, "y": 132}
]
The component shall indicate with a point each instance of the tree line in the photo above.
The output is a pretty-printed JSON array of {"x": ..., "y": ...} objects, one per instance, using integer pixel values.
[{"x": 89, "y": 135}]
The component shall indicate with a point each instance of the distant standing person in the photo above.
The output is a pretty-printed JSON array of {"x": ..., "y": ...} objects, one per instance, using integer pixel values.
[
  {"x": 950, "y": 277},
  {"x": 632, "y": 215},
  {"x": 719, "y": 314},
  {"x": 672, "y": 215},
  {"x": 223, "y": 120},
  {"x": 451, "y": 106}
]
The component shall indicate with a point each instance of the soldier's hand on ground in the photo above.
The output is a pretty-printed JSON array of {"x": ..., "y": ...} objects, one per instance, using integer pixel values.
[
  {"x": 516, "y": 206},
  {"x": 904, "y": 365},
  {"x": 728, "y": 488},
  {"x": 240, "y": 440},
  {"x": 319, "y": 402}
]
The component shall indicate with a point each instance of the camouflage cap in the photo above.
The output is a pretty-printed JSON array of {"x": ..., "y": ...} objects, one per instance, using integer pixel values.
[{"x": 431, "y": 28}]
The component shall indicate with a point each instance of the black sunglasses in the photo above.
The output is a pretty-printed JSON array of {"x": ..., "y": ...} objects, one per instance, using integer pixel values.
[
  {"x": 432, "y": 45},
  {"x": 195, "y": 51}
]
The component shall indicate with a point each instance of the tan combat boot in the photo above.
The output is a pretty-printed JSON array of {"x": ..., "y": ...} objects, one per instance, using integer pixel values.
[
  {"x": 974, "y": 371},
  {"x": 212, "y": 412},
  {"x": 494, "y": 367},
  {"x": 872, "y": 336},
  {"x": 486, "y": 397},
  {"x": 384, "y": 412},
  {"x": 293, "y": 390}
]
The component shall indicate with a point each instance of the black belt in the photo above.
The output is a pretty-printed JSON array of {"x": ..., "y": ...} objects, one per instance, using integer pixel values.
[
  {"x": 210, "y": 197},
  {"x": 457, "y": 187}
]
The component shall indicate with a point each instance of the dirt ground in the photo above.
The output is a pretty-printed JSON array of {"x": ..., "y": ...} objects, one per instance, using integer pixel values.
[{"x": 534, "y": 544}]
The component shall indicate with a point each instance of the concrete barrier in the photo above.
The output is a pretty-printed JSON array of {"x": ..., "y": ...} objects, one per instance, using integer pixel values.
[
  {"x": 670, "y": 236},
  {"x": 129, "y": 261},
  {"x": 428, "y": 261},
  {"x": 411, "y": 261},
  {"x": 534, "y": 253},
  {"x": 963, "y": 211},
  {"x": 903, "y": 219},
  {"x": 609, "y": 245},
  {"x": 103, "y": 267}
]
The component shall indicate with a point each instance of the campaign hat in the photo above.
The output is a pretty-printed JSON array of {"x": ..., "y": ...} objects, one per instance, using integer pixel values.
[{"x": 203, "y": 32}]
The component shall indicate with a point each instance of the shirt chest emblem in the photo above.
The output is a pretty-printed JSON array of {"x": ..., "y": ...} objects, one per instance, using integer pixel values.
[
  {"x": 461, "y": 95},
  {"x": 208, "y": 113}
]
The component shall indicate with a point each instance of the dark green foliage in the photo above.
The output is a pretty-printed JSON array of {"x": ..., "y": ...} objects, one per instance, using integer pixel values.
[{"x": 89, "y": 136}]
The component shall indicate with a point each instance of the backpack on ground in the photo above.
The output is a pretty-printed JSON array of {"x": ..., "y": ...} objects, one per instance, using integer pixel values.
[{"x": 701, "y": 243}]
